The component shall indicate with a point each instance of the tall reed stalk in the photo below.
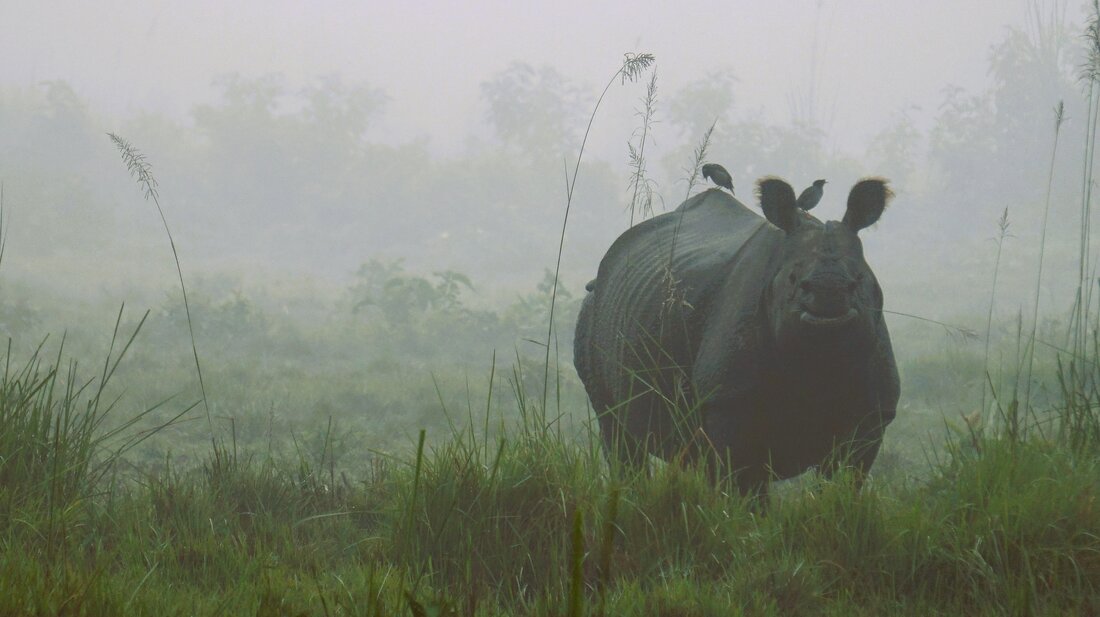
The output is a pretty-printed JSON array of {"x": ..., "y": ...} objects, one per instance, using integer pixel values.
[
  {"x": 643, "y": 193},
  {"x": 3, "y": 229},
  {"x": 142, "y": 171},
  {"x": 698, "y": 156},
  {"x": 1002, "y": 234},
  {"x": 1059, "y": 117},
  {"x": 632, "y": 68},
  {"x": 1090, "y": 73}
]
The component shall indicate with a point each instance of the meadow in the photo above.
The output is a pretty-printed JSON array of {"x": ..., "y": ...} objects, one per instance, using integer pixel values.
[
  {"x": 302, "y": 489},
  {"x": 502, "y": 505}
]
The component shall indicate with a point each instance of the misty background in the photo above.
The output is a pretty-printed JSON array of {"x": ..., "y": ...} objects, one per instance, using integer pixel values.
[{"x": 367, "y": 197}]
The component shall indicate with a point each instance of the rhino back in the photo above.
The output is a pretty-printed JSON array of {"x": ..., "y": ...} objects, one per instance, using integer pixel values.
[{"x": 638, "y": 318}]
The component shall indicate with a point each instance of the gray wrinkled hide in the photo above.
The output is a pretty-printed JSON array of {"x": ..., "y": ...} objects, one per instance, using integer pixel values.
[{"x": 684, "y": 366}]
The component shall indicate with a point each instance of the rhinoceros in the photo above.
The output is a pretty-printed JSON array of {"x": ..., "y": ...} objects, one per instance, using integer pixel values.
[{"x": 757, "y": 344}]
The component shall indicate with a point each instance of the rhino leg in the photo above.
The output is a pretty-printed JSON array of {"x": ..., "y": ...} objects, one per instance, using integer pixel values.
[
  {"x": 622, "y": 449},
  {"x": 857, "y": 455},
  {"x": 753, "y": 485},
  {"x": 757, "y": 494},
  {"x": 751, "y": 482}
]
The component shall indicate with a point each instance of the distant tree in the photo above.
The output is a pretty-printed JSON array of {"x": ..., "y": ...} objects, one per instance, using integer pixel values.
[
  {"x": 273, "y": 151},
  {"x": 1031, "y": 70},
  {"x": 530, "y": 313},
  {"x": 332, "y": 128},
  {"x": 338, "y": 110},
  {"x": 65, "y": 117},
  {"x": 249, "y": 159},
  {"x": 410, "y": 314},
  {"x": 747, "y": 144},
  {"x": 333, "y": 151},
  {"x": 449, "y": 288},
  {"x": 962, "y": 143},
  {"x": 795, "y": 151},
  {"x": 700, "y": 103},
  {"x": 46, "y": 126},
  {"x": 894, "y": 151},
  {"x": 983, "y": 146},
  {"x": 536, "y": 111},
  {"x": 402, "y": 297},
  {"x": 751, "y": 147},
  {"x": 52, "y": 163}
]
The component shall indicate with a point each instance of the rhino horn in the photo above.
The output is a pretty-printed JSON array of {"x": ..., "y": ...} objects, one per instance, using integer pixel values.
[{"x": 866, "y": 202}]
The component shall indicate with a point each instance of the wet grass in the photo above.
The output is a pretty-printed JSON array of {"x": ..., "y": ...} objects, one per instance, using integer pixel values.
[{"x": 526, "y": 520}]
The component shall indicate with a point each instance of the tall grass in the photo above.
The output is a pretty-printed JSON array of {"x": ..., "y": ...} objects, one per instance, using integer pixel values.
[
  {"x": 673, "y": 295},
  {"x": 3, "y": 226},
  {"x": 57, "y": 447},
  {"x": 1002, "y": 234},
  {"x": 693, "y": 171},
  {"x": 1059, "y": 117},
  {"x": 142, "y": 171},
  {"x": 1090, "y": 74},
  {"x": 528, "y": 523},
  {"x": 633, "y": 66},
  {"x": 644, "y": 194}
]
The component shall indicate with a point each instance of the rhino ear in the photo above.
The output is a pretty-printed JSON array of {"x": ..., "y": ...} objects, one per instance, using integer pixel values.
[
  {"x": 866, "y": 202},
  {"x": 777, "y": 200}
]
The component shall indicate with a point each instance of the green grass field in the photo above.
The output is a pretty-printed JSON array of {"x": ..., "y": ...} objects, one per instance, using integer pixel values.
[{"x": 507, "y": 508}]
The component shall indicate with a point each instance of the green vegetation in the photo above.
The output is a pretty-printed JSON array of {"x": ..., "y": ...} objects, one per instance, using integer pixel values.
[{"x": 1007, "y": 521}]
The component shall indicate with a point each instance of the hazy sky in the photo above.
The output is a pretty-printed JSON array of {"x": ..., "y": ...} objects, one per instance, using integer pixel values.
[{"x": 874, "y": 57}]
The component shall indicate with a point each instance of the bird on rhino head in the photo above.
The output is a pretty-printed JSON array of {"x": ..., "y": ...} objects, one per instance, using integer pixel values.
[{"x": 810, "y": 197}]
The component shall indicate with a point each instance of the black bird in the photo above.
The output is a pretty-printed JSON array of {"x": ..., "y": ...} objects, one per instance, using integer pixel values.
[
  {"x": 809, "y": 198},
  {"x": 718, "y": 174}
]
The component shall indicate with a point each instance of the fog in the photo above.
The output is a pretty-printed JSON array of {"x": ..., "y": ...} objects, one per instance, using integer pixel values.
[
  {"x": 859, "y": 61},
  {"x": 309, "y": 154}
]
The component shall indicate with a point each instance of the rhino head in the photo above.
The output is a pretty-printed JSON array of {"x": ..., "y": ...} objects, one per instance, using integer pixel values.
[{"x": 821, "y": 288}]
